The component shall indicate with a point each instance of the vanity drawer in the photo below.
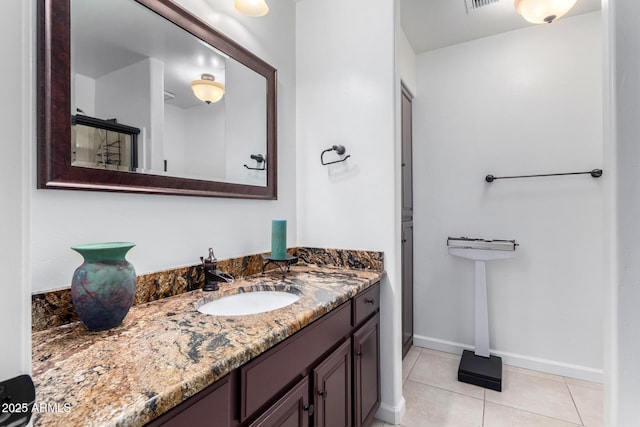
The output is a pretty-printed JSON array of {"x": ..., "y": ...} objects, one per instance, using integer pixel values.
[
  {"x": 366, "y": 303},
  {"x": 269, "y": 374},
  {"x": 212, "y": 406}
]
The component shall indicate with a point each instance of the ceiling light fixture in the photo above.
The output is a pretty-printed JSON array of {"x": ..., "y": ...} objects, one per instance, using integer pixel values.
[
  {"x": 207, "y": 89},
  {"x": 253, "y": 8},
  {"x": 543, "y": 11}
]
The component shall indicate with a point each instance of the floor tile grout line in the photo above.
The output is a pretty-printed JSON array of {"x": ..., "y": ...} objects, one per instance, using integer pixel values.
[
  {"x": 445, "y": 389},
  {"x": 574, "y": 404},
  {"x": 413, "y": 365},
  {"x": 484, "y": 405},
  {"x": 523, "y": 371},
  {"x": 536, "y": 413}
]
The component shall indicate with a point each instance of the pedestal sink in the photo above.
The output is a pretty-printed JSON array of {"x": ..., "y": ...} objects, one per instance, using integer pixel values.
[
  {"x": 481, "y": 368},
  {"x": 245, "y": 303}
]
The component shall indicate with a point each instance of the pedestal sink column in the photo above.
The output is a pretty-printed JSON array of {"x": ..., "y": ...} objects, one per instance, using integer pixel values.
[
  {"x": 479, "y": 367},
  {"x": 482, "y": 311}
]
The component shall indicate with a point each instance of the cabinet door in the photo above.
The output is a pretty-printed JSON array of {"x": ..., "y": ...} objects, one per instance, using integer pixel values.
[
  {"x": 407, "y": 287},
  {"x": 292, "y": 410},
  {"x": 366, "y": 366},
  {"x": 332, "y": 389}
]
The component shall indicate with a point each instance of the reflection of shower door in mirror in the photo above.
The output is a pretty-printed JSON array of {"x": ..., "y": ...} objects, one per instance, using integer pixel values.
[{"x": 103, "y": 144}]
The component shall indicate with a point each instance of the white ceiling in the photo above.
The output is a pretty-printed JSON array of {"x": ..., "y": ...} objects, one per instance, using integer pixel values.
[
  {"x": 108, "y": 35},
  {"x": 432, "y": 24},
  {"x": 111, "y": 34}
]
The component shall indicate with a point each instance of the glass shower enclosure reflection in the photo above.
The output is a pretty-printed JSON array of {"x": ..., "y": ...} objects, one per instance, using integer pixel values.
[{"x": 103, "y": 144}]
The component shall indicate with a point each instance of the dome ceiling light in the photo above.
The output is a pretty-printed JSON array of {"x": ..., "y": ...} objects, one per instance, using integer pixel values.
[
  {"x": 254, "y": 8},
  {"x": 543, "y": 11},
  {"x": 207, "y": 89}
]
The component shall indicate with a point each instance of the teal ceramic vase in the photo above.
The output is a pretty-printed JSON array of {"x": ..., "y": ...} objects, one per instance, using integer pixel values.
[{"x": 104, "y": 286}]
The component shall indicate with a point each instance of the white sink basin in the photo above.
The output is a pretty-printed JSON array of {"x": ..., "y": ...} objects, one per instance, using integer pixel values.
[
  {"x": 481, "y": 254},
  {"x": 248, "y": 303}
]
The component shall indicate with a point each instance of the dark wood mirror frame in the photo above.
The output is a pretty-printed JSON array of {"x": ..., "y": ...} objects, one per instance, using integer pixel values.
[{"x": 54, "y": 109}]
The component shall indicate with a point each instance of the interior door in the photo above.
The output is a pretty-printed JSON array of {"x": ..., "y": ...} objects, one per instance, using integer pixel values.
[{"x": 407, "y": 222}]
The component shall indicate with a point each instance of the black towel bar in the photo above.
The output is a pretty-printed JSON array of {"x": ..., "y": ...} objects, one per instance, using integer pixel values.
[{"x": 596, "y": 173}]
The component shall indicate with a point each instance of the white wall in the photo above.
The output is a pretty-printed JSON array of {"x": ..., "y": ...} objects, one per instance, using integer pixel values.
[
  {"x": 125, "y": 95},
  {"x": 205, "y": 141},
  {"x": 346, "y": 94},
  {"x": 131, "y": 95},
  {"x": 406, "y": 62},
  {"x": 623, "y": 105},
  {"x": 214, "y": 141},
  {"x": 245, "y": 102},
  {"x": 15, "y": 304},
  {"x": 83, "y": 94},
  {"x": 195, "y": 142},
  {"x": 175, "y": 129},
  {"x": 523, "y": 102},
  {"x": 173, "y": 231}
]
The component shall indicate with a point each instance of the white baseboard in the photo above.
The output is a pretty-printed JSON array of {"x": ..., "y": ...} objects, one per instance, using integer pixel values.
[
  {"x": 392, "y": 414},
  {"x": 519, "y": 360}
]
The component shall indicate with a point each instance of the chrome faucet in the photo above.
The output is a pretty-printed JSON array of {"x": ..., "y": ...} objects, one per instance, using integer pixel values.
[{"x": 213, "y": 276}]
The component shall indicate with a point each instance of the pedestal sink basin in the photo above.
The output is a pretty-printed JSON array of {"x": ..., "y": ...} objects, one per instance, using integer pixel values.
[
  {"x": 481, "y": 368},
  {"x": 248, "y": 303}
]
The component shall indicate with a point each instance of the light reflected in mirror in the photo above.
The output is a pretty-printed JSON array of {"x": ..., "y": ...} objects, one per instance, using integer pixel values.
[{"x": 133, "y": 108}]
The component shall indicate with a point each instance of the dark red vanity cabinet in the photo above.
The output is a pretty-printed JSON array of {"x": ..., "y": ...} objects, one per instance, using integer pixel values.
[
  {"x": 332, "y": 389},
  {"x": 366, "y": 378},
  {"x": 325, "y": 375},
  {"x": 340, "y": 353}
]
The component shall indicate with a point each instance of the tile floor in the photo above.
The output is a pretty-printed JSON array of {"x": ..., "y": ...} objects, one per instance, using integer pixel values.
[{"x": 435, "y": 397}]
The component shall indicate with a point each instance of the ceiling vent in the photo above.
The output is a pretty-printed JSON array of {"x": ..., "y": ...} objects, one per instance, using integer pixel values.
[{"x": 477, "y": 4}]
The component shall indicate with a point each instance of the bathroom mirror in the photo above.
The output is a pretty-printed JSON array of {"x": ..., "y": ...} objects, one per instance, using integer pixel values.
[{"x": 117, "y": 111}]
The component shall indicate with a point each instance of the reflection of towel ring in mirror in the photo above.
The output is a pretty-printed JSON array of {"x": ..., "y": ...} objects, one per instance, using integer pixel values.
[
  {"x": 259, "y": 158},
  {"x": 338, "y": 149}
]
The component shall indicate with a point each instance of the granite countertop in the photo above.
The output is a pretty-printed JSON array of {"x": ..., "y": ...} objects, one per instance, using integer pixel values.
[{"x": 166, "y": 351}]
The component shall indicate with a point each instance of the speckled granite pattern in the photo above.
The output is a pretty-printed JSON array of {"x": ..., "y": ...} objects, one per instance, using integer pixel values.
[
  {"x": 367, "y": 260},
  {"x": 50, "y": 309},
  {"x": 54, "y": 308},
  {"x": 166, "y": 351}
]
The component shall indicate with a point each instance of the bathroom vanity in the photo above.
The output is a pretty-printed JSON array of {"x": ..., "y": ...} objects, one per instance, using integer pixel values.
[
  {"x": 314, "y": 362},
  {"x": 305, "y": 380}
]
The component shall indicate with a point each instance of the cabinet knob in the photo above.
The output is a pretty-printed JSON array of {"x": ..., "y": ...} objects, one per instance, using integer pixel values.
[
  {"x": 369, "y": 300},
  {"x": 308, "y": 408},
  {"x": 323, "y": 393}
]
